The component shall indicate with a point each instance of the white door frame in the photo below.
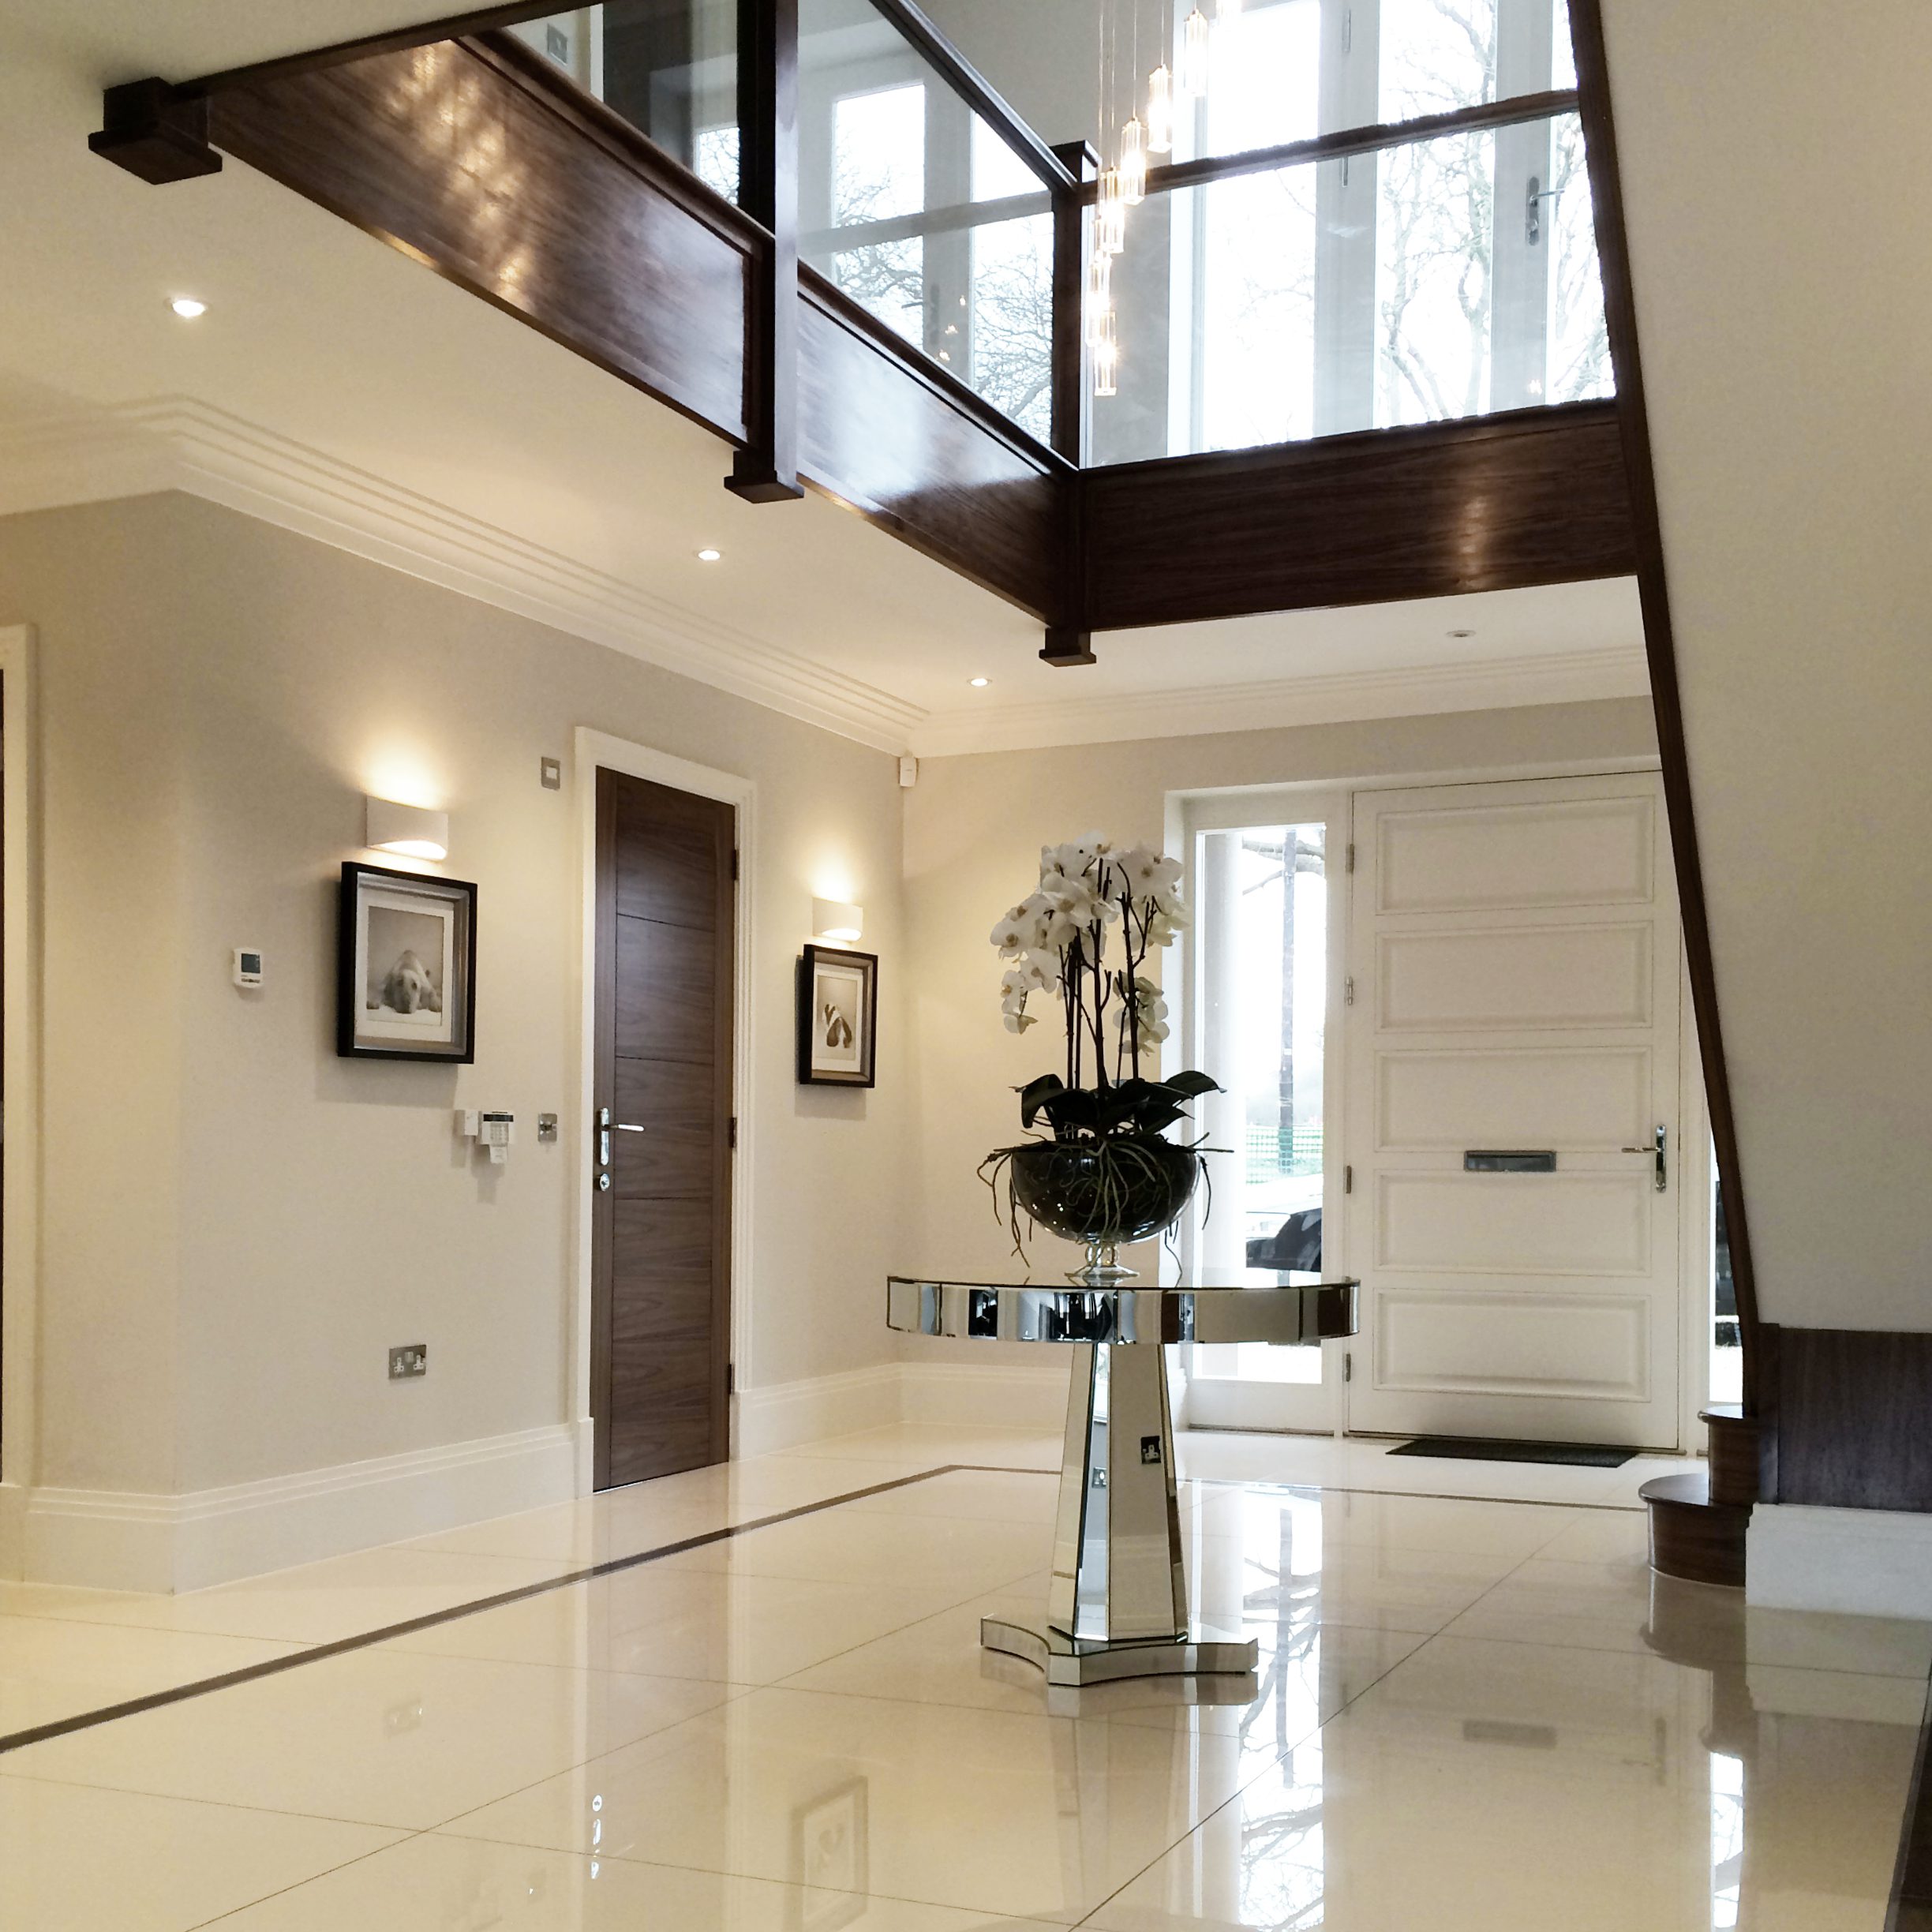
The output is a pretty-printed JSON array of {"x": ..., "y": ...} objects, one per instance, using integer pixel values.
[
  {"x": 1691, "y": 1167},
  {"x": 19, "y": 985},
  {"x": 1231, "y": 810},
  {"x": 597, "y": 750}
]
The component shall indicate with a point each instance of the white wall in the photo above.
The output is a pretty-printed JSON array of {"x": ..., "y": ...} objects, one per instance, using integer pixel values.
[
  {"x": 973, "y": 830},
  {"x": 1777, "y": 161},
  {"x": 238, "y": 1223}
]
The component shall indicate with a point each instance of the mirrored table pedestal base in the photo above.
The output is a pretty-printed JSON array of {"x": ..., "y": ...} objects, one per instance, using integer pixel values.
[{"x": 1068, "y": 1662}]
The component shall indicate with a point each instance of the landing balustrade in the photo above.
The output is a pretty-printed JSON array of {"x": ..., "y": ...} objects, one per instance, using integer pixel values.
[{"x": 1360, "y": 330}]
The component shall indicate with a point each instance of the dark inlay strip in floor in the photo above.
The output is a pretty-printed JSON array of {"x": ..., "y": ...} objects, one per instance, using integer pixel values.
[
  {"x": 364, "y": 1640},
  {"x": 341, "y": 1646}
]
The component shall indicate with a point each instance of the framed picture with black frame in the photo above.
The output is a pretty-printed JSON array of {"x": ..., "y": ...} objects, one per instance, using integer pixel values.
[
  {"x": 837, "y": 1017},
  {"x": 406, "y": 966}
]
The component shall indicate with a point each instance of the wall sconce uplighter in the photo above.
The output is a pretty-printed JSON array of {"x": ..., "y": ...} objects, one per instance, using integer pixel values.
[
  {"x": 833, "y": 919},
  {"x": 406, "y": 830}
]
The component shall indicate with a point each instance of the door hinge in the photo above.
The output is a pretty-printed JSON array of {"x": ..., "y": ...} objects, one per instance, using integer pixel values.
[
  {"x": 1348, "y": 991},
  {"x": 1351, "y": 855},
  {"x": 1348, "y": 1180},
  {"x": 1348, "y": 1365},
  {"x": 734, "y": 862},
  {"x": 731, "y": 1378},
  {"x": 731, "y": 1134}
]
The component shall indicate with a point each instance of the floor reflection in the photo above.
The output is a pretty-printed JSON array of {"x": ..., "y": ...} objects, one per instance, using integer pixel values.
[{"x": 1689, "y": 1767}]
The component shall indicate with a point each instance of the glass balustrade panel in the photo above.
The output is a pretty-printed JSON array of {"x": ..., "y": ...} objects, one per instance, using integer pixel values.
[
  {"x": 915, "y": 206},
  {"x": 670, "y": 69},
  {"x": 1435, "y": 280}
]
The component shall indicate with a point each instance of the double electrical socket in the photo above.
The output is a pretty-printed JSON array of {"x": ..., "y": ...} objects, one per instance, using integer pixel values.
[{"x": 409, "y": 1362}]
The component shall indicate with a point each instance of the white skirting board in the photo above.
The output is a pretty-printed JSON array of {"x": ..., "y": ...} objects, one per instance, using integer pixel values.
[
  {"x": 117, "y": 1540},
  {"x": 113, "y": 1540},
  {"x": 996, "y": 1394},
  {"x": 961, "y": 1395},
  {"x": 784, "y": 1415},
  {"x": 1865, "y": 1563}
]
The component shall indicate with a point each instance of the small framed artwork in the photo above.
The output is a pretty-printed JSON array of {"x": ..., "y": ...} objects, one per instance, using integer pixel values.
[
  {"x": 837, "y": 1017},
  {"x": 831, "y": 1859},
  {"x": 406, "y": 967}
]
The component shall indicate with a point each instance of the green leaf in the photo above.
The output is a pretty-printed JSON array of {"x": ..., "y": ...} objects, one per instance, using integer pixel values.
[
  {"x": 1192, "y": 1085},
  {"x": 1073, "y": 1106},
  {"x": 1034, "y": 1095}
]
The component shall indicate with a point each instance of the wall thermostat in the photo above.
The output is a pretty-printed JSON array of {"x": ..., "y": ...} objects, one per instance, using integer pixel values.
[{"x": 248, "y": 966}]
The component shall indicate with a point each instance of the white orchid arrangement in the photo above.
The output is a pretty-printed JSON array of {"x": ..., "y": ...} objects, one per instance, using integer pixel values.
[{"x": 1083, "y": 936}]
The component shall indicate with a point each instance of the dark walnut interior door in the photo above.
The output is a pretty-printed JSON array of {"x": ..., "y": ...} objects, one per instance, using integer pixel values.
[{"x": 661, "y": 1141}]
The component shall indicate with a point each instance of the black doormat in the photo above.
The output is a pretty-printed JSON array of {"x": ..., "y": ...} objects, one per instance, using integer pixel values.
[{"x": 1475, "y": 1449}]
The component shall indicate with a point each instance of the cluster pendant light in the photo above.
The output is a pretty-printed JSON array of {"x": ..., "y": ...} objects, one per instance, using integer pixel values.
[{"x": 1123, "y": 183}]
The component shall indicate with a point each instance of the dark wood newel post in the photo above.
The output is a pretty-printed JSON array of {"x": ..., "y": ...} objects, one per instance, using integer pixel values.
[
  {"x": 155, "y": 132},
  {"x": 1071, "y": 410},
  {"x": 1070, "y": 641},
  {"x": 766, "y": 470}
]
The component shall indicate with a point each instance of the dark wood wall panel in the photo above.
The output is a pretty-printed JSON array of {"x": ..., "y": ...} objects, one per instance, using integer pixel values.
[
  {"x": 448, "y": 153},
  {"x": 1849, "y": 1411},
  {"x": 1535, "y": 498},
  {"x": 938, "y": 469}
]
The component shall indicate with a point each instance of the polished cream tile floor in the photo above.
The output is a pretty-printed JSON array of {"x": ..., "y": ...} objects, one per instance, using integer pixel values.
[{"x": 1474, "y": 1708}]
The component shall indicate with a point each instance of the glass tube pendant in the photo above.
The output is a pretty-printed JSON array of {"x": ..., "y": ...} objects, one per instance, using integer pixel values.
[
  {"x": 1099, "y": 301},
  {"x": 1110, "y": 223},
  {"x": 1160, "y": 110},
  {"x": 1133, "y": 162},
  {"x": 1194, "y": 54},
  {"x": 1106, "y": 358}
]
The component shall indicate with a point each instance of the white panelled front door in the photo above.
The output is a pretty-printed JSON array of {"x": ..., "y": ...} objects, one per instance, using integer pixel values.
[{"x": 1513, "y": 956}]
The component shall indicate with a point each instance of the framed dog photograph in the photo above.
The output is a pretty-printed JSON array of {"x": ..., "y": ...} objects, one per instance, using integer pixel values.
[
  {"x": 837, "y": 1017},
  {"x": 406, "y": 968}
]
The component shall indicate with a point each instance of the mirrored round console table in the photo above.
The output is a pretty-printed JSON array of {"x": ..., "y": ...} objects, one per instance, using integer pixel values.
[{"x": 1118, "y": 1605}]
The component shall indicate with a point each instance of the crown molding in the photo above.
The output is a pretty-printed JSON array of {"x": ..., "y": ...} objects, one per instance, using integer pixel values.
[
  {"x": 1332, "y": 698},
  {"x": 180, "y": 443}
]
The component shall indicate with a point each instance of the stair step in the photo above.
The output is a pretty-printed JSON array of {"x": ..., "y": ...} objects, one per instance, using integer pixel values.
[
  {"x": 1691, "y": 1536},
  {"x": 1735, "y": 1438}
]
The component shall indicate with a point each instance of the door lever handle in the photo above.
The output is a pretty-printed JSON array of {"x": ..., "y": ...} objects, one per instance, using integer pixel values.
[{"x": 1656, "y": 1150}]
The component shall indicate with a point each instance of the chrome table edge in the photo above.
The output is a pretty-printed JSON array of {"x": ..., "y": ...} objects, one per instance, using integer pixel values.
[{"x": 1294, "y": 1314}]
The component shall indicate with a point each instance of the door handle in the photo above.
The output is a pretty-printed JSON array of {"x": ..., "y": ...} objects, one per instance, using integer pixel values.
[{"x": 1657, "y": 1152}]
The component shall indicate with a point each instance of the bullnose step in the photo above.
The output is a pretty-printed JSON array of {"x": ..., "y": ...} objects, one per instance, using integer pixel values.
[{"x": 1693, "y": 1537}]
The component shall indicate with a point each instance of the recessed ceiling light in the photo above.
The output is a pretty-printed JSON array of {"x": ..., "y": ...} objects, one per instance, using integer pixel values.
[
  {"x": 708, "y": 555},
  {"x": 978, "y": 683},
  {"x": 1461, "y": 633},
  {"x": 187, "y": 307}
]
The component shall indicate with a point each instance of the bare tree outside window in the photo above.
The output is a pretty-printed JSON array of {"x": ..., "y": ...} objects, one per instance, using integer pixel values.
[
  {"x": 1435, "y": 220},
  {"x": 1013, "y": 319},
  {"x": 878, "y": 169}
]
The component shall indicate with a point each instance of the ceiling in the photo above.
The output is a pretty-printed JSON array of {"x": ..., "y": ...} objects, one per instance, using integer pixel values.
[{"x": 325, "y": 353}]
